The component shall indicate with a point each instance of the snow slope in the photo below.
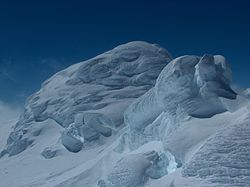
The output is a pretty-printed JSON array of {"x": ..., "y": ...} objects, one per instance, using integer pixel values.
[
  {"x": 132, "y": 117},
  {"x": 220, "y": 157}
]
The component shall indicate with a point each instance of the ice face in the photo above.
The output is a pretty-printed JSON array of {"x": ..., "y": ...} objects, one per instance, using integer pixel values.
[{"x": 189, "y": 84}]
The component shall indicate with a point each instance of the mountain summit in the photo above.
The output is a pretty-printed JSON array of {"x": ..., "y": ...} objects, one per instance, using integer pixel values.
[
  {"x": 132, "y": 117},
  {"x": 96, "y": 91}
]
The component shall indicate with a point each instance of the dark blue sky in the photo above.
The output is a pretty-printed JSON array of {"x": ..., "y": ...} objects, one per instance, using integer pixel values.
[{"x": 40, "y": 37}]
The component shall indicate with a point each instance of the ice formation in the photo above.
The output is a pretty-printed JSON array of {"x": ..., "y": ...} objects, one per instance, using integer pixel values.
[
  {"x": 187, "y": 85},
  {"x": 133, "y": 117},
  {"x": 98, "y": 89}
]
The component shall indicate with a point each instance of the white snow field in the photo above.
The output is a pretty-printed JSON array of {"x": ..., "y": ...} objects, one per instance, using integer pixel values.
[{"x": 132, "y": 117}]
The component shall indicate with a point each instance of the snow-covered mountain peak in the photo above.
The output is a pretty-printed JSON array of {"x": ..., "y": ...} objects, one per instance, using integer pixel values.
[
  {"x": 94, "y": 92},
  {"x": 133, "y": 117}
]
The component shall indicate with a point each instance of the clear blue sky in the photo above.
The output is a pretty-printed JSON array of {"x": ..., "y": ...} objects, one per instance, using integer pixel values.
[{"x": 40, "y": 37}]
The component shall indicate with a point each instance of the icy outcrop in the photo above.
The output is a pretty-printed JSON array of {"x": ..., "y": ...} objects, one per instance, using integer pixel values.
[
  {"x": 188, "y": 85},
  {"x": 99, "y": 89}
]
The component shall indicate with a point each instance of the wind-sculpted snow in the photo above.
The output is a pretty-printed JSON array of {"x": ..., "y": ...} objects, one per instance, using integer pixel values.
[
  {"x": 190, "y": 85},
  {"x": 133, "y": 117},
  {"x": 223, "y": 160},
  {"x": 98, "y": 90}
]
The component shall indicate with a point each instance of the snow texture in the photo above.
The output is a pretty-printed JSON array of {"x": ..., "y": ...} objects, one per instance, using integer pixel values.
[
  {"x": 187, "y": 85},
  {"x": 132, "y": 117},
  {"x": 224, "y": 159},
  {"x": 98, "y": 89}
]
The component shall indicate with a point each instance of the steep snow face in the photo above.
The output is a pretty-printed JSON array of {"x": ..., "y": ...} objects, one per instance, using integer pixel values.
[
  {"x": 94, "y": 93},
  {"x": 188, "y": 86}
]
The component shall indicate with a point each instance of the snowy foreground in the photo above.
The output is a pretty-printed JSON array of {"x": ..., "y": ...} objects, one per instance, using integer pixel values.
[{"x": 132, "y": 117}]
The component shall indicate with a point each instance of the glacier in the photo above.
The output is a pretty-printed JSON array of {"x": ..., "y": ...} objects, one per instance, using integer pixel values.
[{"x": 132, "y": 117}]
